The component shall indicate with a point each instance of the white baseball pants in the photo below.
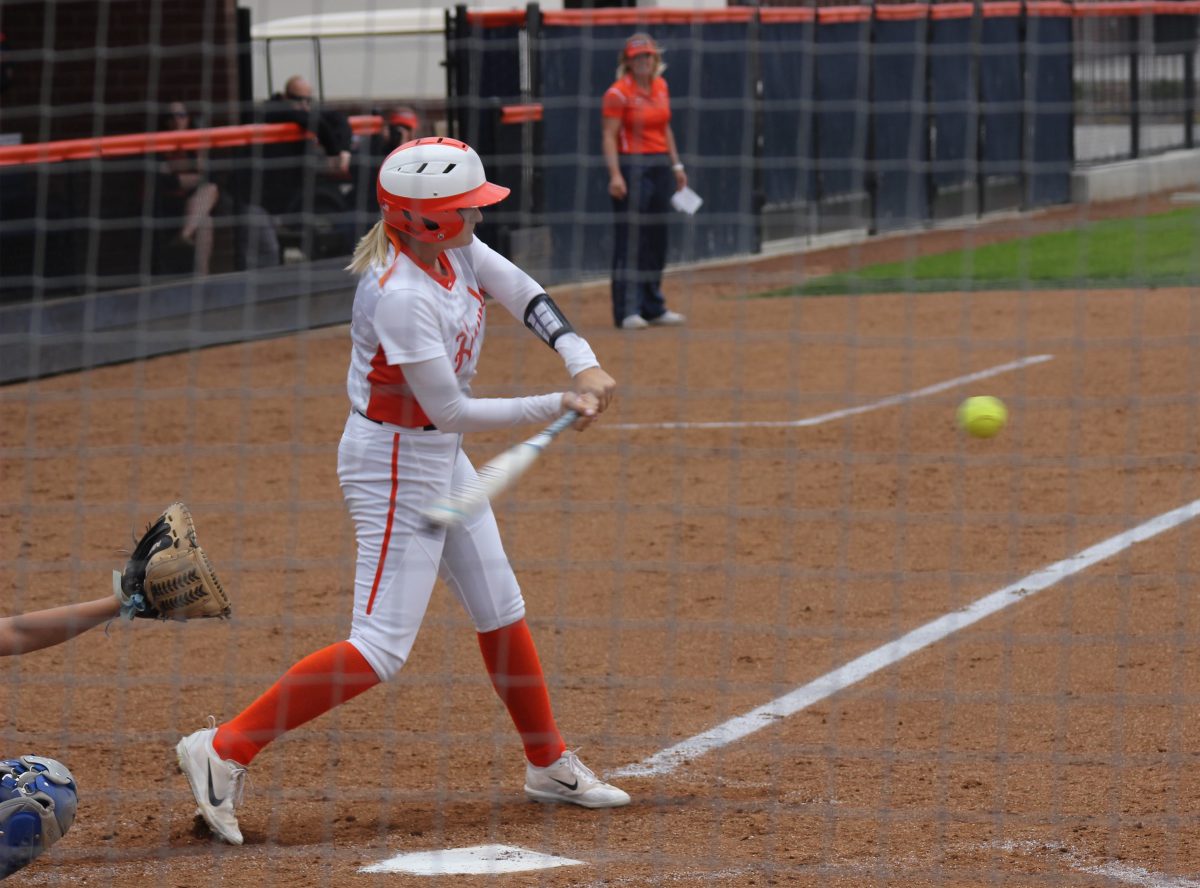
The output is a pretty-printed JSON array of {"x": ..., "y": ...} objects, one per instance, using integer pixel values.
[{"x": 388, "y": 474}]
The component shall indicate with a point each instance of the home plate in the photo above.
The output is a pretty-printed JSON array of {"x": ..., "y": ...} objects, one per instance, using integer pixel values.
[{"x": 477, "y": 860}]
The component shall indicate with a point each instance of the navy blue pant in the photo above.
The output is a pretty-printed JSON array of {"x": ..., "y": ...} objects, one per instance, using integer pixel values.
[{"x": 640, "y": 242}]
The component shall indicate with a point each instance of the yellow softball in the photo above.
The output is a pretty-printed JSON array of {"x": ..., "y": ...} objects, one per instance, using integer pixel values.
[{"x": 982, "y": 416}]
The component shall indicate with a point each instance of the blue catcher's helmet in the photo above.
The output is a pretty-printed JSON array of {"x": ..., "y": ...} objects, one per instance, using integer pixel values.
[{"x": 37, "y": 806}]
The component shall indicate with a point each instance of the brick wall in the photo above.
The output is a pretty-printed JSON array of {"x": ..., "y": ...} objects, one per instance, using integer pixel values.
[{"x": 102, "y": 67}]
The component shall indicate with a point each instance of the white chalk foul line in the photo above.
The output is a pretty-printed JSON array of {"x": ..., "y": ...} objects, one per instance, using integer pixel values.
[
  {"x": 1112, "y": 871},
  {"x": 669, "y": 759},
  {"x": 890, "y": 401}
]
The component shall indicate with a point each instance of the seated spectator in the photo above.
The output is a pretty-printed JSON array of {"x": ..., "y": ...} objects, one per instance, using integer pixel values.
[
  {"x": 400, "y": 125},
  {"x": 185, "y": 193},
  {"x": 302, "y": 185},
  {"x": 332, "y": 128}
]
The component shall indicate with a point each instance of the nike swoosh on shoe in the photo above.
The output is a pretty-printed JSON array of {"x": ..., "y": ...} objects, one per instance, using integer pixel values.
[
  {"x": 571, "y": 786},
  {"x": 212, "y": 796}
]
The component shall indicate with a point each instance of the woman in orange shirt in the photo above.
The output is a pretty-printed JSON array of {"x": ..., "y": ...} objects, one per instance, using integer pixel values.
[{"x": 644, "y": 171}]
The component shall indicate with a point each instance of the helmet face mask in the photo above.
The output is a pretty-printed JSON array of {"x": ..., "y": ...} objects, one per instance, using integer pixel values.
[
  {"x": 423, "y": 185},
  {"x": 38, "y": 799}
]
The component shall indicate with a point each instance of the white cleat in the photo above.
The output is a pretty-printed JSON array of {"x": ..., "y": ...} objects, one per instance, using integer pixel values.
[
  {"x": 571, "y": 781},
  {"x": 668, "y": 319},
  {"x": 635, "y": 322},
  {"x": 216, "y": 782}
]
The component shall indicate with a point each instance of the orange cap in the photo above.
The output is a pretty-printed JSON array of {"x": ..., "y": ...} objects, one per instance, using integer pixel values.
[
  {"x": 641, "y": 45},
  {"x": 403, "y": 118}
]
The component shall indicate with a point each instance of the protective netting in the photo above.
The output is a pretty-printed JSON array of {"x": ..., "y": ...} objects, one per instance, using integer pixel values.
[{"x": 820, "y": 633}]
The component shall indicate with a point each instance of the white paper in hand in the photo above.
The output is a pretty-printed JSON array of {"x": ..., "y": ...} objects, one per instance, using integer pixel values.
[{"x": 686, "y": 201}]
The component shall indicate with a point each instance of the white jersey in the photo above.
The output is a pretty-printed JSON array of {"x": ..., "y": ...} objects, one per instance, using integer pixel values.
[{"x": 407, "y": 313}]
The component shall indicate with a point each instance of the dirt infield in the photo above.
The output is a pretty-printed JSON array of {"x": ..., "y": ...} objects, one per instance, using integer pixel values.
[{"x": 676, "y": 578}]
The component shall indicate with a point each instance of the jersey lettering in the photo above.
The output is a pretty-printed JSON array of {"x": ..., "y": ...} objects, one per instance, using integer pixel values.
[{"x": 466, "y": 338}]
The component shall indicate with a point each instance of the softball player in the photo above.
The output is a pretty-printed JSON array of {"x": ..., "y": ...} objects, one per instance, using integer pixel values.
[{"x": 417, "y": 330}]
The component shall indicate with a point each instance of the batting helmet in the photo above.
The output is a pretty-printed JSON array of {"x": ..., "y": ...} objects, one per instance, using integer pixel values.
[
  {"x": 37, "y": 806},
  {"x": 424, "y": 183}
]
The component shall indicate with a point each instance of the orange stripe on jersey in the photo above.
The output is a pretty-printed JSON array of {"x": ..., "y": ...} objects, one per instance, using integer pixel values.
[
  {"x": 387, "y": 531},
  {"x": 383, "y": 279},
  {"x": 391, "y": 399},
  {"x": 395, "y": 240}
]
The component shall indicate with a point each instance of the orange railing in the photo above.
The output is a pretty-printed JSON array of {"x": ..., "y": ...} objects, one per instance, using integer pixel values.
[{"x": 173, "y": 140}]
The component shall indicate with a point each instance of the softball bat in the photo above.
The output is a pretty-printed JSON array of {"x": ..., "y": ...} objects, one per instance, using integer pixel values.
[{"x": 494, "y": 477}]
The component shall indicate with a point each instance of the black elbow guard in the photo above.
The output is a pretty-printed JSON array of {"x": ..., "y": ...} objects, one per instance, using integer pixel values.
[{"x": 545, "y": 319}]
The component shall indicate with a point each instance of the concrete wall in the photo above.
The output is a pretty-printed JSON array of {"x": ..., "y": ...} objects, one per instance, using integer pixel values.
[{"x": 1136, "y": 178}]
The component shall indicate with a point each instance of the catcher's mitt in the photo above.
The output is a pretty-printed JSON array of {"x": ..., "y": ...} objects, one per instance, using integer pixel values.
[{"x": 168, "y": 576}]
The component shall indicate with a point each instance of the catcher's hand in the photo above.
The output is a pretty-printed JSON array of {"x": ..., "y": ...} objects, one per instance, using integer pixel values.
[{"x": 168, "y": 576}]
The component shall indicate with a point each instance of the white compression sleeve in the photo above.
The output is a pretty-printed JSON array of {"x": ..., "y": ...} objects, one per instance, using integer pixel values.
[
  {"x": 514, "y": 289},
  {"x": 503, "y": 280},
  {"x": 575, "y": 352},
  {"x": 450, "y": 409}
]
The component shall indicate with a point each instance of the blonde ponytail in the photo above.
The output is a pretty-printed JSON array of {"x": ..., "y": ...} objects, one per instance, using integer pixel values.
[{"x": 372, "y": 249}]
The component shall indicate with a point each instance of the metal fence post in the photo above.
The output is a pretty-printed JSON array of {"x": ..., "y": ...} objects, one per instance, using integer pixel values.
[
  {"x": 1189, "y": 97},
  {"x": 977, "y": 92},
  {"x": 1135, "y": 99},
  {"x": 870, "y": 162},
  {"x": 1025, "y": 141}
]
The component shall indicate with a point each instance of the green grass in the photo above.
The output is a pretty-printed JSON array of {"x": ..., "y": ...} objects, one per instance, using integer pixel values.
[{"x": 1150, "y": 251}]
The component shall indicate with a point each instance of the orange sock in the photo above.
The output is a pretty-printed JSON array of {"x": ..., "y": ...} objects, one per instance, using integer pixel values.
[
  {"x": 516, "y": 673},
  {"x": 316, "y": 684}
]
